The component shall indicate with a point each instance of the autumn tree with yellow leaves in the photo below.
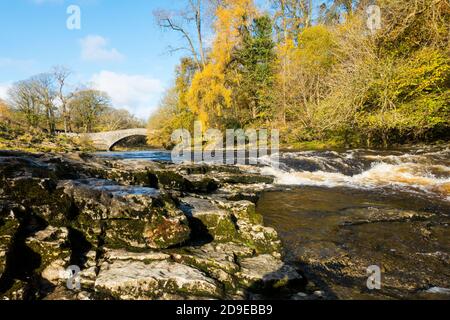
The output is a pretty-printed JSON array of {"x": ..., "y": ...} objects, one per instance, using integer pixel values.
[
  {"x": 5, "y": 112},
  {"x": 211, "y": 91},
  {"x": 325, "y": 78}
]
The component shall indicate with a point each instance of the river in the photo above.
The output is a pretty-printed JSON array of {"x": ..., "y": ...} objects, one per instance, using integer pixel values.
[{"x": 339, "y": 212}]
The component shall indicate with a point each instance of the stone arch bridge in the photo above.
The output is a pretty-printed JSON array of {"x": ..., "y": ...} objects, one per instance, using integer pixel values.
[{"x": 107, "y": 140}]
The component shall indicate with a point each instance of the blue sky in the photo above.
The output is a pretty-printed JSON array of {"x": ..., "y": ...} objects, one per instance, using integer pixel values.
[{"x": 119, "y": 48}]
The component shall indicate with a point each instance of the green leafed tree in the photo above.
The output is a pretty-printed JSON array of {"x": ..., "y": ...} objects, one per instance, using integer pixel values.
[
  {"x": 254, "y": 60},
  {"x": 86, "y": 107}
]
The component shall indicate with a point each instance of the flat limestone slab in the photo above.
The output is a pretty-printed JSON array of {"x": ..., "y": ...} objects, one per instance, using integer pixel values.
[{"x": 138, "y": 280}]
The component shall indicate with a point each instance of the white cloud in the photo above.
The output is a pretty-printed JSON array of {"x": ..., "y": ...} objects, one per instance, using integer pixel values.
[
  {"x": 138, "y": 94},
  {"x": 95, "y": 48},
  {"x": 4, "y": 87}
]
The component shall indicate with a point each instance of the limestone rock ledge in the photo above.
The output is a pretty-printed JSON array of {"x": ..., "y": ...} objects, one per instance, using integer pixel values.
[{"x": 137, "y": 230}]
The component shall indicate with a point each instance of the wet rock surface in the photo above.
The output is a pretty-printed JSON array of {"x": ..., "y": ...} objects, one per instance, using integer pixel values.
[
  {"x": 136, "y": 230},
  {"x": 152, "y": 280}
]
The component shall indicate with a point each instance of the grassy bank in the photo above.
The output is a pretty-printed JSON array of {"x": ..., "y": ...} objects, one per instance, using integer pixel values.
[{"x": 12, "y": 137}]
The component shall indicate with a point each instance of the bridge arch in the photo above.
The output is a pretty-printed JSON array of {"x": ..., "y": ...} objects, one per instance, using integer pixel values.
[
  {"x": 107, "y": 140},
  {"x": 111, "y": 147}
]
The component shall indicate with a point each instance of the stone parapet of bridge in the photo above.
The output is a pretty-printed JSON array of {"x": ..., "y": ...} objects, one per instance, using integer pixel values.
[{"x": 106, "y": 140}]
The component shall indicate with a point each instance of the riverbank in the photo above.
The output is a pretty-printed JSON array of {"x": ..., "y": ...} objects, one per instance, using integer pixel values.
[
  {"x": 306, "y": 229},
  {"x": 141, "y": 230},
  {"x": 319, "y": 145},
  {"x": 14, "y": 138}
]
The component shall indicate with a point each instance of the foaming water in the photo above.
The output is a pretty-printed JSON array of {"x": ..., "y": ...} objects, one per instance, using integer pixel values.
[
  {"x": 419, "y": 170},
  {"x": 424, "y": 170}
]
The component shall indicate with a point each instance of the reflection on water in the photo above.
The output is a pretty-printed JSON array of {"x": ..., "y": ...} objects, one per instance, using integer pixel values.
[
  {"x": 302, "y": 209},
  {"x": 336, "y": 233}
]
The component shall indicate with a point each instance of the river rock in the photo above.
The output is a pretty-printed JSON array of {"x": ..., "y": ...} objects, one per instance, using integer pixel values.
[
  {"x": 268, "y": 272},
  {"x": 8, "y": 227},
  {"x": 136, "y": 229},
  {"x": 16, "y": 292},
  {"x": 357, "y": 216},
  {"x": 239, "y": 192},
  {"x": 52, "y": 245},
  {"x": 138, "y": 173},
  {"x": 127, "y": 216},
  {"x": 219, "y": 260},
  {"x": 61, "y": 293},
  {"x": 3, "y": 250},
  {"x": 157, "y": 175},
  {"x": 15, "y": 164},
  {"x": 139, "y": 280},
  {"x": 203, "y": 213},
  {"x": 252, "y": 232},
  {"x": 242, "y": 178},
  {"x": 235, "y": 221},
  {"x": 41, "y": 196},
  {"x": 124, "y": 255}
]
